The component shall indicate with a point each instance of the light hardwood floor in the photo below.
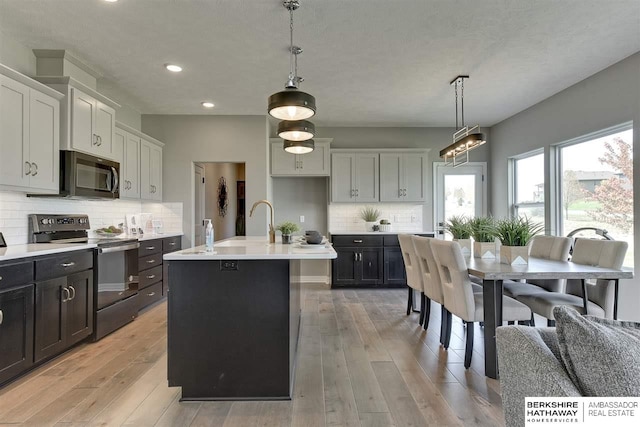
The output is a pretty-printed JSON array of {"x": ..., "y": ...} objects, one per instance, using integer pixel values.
[{"x": 361, "y": 362}]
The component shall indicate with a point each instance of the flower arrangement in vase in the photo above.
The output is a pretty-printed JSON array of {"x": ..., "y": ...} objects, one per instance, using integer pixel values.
[
  {"x": 483, "y": 233},
  {"x": 515, "y": 235},
  {"x": 287, "y": 228},
  {"x": 370, "y": 215},
  {"x": 458, "y": 226}
]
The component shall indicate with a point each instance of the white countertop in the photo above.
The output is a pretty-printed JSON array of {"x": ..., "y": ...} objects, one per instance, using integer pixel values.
[
  {"x": 159, "y": 236},
  {"x": 339, "y": 233},
  {"x": 38, "y": 249},
  {"x": 252, "y": 248}
]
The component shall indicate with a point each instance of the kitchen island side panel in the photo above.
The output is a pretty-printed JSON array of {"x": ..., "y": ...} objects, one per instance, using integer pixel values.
[{"x": 229, "y": 331}]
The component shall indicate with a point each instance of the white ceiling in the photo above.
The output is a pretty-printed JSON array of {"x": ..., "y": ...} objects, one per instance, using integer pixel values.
[{"x": 367, "y": 62}]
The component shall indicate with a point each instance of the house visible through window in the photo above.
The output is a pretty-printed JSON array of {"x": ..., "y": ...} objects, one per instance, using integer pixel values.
[
  {"x": 596, "y": 186},
  {"x": 528, "y": 173}
]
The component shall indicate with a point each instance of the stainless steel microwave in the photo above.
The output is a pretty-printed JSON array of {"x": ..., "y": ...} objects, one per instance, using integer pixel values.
[{"x": 88, "y": 177}]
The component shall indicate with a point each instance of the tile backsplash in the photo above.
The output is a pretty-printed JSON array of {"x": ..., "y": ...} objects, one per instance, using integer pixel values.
[
  {"x": 14, "y": 208},
  {"x": 344, "y": 217}
]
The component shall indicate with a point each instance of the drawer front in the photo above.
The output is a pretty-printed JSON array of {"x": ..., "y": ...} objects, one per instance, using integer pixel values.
[
  {"x": 20, "y": 273},
  {"x": 150, "y": 276},
  {"x": 356, "y": 240},
  {"x": 149, "y": 295},
  {"x": 391, "y": 240},
  {"x": 63, "y": 264},
  {"x": 149, "y": 261},
  {"x": 150, "y": 247},
  {"x": 171, "y": 244}
]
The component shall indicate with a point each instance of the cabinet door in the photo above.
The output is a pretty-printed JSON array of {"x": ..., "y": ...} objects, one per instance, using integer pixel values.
[
  {"x": 282, "y": 163},
  {"x": 119, "y": 138},
  {"x": 366, "y": 177},
  {"x": 131, "y": 167},
  {"x": 16, "y": 331},
  {"x": 391, "y": 177},
  {"x": 14, "y": 133},
  {"x": 79, "y": 307},
  {"x": 83, "y": 133},
  {"x": 394, "y": 271},
  {"x": 415, "y": 169},
  {"x": 44, "y": 141},
  {"x": 342, "y": 177},
  {"x": 371, "y": 266},
  {"x": 145, "y": 170},
  {"x": 105, "y": 123},
  {"x": 344, "y": 271},
  {"x": 50, "y": 319},
  {"x": 315, "y": 163},
  {"x": 156, "y": 172}
]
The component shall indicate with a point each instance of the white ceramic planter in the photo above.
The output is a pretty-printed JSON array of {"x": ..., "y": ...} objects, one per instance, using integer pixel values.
[
  {"x": 465, "y": 245},
  {"x": 514, "y": 255},
  {"x": 368, "y": 226},
  {"x": 484, "y": 250}
]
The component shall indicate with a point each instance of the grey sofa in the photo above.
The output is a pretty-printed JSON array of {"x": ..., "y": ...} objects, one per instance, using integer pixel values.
[{"x": 530, "y": 365}]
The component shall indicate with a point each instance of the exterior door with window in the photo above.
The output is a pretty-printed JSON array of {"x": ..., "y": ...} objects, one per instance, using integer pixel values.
[{"x": 459, "y": 191}]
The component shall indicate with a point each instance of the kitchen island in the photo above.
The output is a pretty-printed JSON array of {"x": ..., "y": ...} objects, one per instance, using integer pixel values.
[{"x": 234, "y": 318}]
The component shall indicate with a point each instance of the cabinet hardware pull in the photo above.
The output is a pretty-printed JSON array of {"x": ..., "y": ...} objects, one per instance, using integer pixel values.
[
  {"x": 151, "y": 276},
  {"x": 1, "y": 317},
  {"x": 150, "y": 248},
  {"x": 360, "y": 256},
  {"x": 73, "y": 295},
  {"x": 355, "y": 256},
  {"x": 0, "y": 277},
  {"x": 151, "y": 294},
  {"x": 36, "y": 172},
  {"x": 151, "y": 261},
  {"x": 172, "y": 244},
  {"x": 95, "y": 139},
  {"x": 28, "y": 167},
  {"x": 357, "y": 241},
  {"x": 68, "y": 294},
  {"x": 68, "y": 264}
]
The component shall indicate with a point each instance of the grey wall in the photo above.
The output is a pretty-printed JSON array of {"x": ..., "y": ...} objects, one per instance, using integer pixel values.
[
  {"x": 190, "y": 139},
  {"x": 302, "y": 196},
  {"x": 224, "y": 227},
  {"x": 608, "y": 98},
  {"x": 17, "y": 56}
]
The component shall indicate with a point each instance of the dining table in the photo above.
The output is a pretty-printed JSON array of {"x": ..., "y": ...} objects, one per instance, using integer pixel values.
[{"x": 493, "y": 272}]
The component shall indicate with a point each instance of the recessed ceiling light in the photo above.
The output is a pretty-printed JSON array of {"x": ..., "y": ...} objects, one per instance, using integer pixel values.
[
  {"x": 111, "y": 1},
  {"x": 207, "y": 104},
  {"x": 173, "y": 68}
]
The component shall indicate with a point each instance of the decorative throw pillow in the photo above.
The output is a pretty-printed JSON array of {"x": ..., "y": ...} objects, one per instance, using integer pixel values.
[{"x": 601, "y": 356}]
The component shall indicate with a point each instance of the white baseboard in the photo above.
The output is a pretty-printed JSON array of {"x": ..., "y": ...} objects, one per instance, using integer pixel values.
[{"x": 315, "y": 279}]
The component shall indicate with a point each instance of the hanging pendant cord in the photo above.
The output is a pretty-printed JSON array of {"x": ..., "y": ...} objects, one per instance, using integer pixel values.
[
  {"x": 456, "y": 90},
  {"x": 291, "y": 74},
  {"x": 462, "y": 100}
]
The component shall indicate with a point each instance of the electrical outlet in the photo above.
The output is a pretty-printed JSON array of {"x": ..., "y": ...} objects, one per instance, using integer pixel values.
[
  {"x": 301, "y": 218},
  {"x": 414, "y": 218}
]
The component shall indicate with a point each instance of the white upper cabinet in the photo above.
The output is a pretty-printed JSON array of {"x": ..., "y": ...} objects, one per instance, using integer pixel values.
[
  {"x": 354, "y": 177},
  {"x": 92, "y": 125},
  {"x": 402, "y": 177},
  {"x": 127, "y": 146},
  {"x": 150, "y": 170},
  {"x": 29, "y": 134},
  {"x": 315, "y": 163}
]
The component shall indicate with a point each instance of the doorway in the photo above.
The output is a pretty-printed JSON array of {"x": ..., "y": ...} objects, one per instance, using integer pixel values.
[
  {"x": 459, "y": 191},
  {"x": 219, "y": 196}
]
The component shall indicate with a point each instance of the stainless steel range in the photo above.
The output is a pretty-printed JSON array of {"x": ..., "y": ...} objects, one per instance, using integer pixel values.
[{"x": 115, "y": 267}]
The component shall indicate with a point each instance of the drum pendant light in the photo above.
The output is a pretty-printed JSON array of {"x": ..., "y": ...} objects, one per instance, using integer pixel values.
[
  {"x": 292, "y": 103},
  {"x": 465, "y": 138},
  {"x": 299, "y": 147},
  {"x": 299, "y": 130}
]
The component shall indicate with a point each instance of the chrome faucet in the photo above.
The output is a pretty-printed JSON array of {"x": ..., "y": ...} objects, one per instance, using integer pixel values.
[{"x": 272, "y": 231}]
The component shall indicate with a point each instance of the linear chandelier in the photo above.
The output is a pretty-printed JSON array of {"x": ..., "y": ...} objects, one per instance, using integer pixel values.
[
  {"x": 465, "y": 138},
  {"x": 292, "y": 105}
]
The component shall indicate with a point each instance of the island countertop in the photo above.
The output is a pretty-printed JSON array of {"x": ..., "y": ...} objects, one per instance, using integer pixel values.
[{"x": 252, "y": 247}]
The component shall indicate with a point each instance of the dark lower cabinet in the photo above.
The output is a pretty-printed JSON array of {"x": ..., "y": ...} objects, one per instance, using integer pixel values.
[
  {"x": 394, "y": 271},
  {"x": 16, "y": 331},
  {"x": 358, "y": 266},
  {"x": 63, "y": 314},
  {"x": 370, "y": 268},
  {"x": 345, "y": 267}
]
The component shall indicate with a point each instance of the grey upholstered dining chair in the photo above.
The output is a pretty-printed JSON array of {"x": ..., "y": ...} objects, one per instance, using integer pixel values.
[
  {"x": 414, "y": 281},
  {"x": 600, "y": 295},
  {"x": 430, "y": 281},
  {"x": 546, "y": 247},
  {"x": 459, "y": 298}
]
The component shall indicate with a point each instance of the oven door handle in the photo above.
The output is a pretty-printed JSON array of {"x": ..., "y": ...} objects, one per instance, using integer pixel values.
[
  {"x": 114, "y": 188},
  {"x": 119, "y": 248}
]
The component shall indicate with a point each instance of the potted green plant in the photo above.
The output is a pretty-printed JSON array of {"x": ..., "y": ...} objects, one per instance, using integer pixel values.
[
  {"x": 385, "y": 225},
  {"x": 483, "y": 233},
  {"x": 458, "y": 226},
  {"x": 287, "y": 228},
  {"x": 515, "y": 235},
  {"x": 370, "y": 215}
]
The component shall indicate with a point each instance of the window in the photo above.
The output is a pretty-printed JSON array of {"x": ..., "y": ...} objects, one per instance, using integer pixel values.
[
  {"x": 596, "y": 185},
  {"x": 528, "y": 186}
]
